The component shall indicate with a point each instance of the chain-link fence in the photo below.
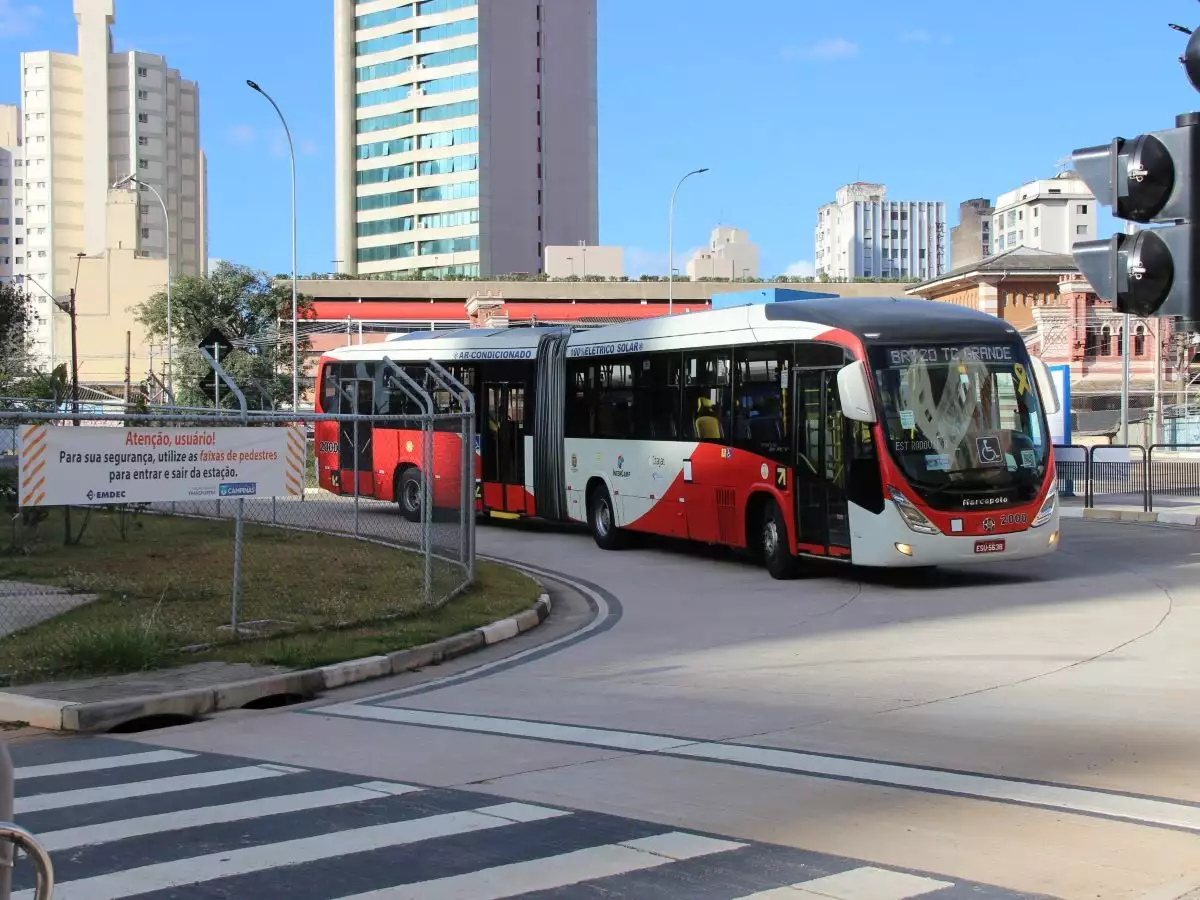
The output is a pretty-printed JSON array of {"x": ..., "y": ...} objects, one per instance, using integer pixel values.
[{"x": 197, "y": 527}]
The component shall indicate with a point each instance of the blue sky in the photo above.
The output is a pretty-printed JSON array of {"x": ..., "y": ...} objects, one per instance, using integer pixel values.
[{"x": 939, "y": 99}]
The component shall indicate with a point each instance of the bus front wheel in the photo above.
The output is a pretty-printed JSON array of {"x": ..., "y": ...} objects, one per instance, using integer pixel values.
[
  {"x": 408, "y": 493},
  {"x": 603, "y": 520},
  {"x": 773, "y": 539}
]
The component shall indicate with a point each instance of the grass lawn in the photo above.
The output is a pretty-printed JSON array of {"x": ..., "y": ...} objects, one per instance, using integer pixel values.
[{"x": 167, "y": 586}]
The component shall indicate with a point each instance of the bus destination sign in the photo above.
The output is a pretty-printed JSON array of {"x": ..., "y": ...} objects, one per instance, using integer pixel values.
[{"x": 907, "y": 356}]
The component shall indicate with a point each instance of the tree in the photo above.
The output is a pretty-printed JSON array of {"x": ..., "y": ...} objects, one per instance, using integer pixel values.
[
  {"x": 252, "y": 310},
  {"x": 16, "y": 316}
]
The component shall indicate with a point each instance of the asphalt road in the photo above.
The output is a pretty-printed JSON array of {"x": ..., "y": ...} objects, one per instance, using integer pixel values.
[{"x": 1031, "y": 727}]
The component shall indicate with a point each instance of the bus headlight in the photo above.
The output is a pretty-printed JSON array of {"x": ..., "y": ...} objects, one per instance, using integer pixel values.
[
  {"x": 1049, "y": 505},
  {"x": 913, "y": 517}
]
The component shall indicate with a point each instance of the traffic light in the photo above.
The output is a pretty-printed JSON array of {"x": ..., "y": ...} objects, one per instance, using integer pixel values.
[{"x": 1151, "y": 179}]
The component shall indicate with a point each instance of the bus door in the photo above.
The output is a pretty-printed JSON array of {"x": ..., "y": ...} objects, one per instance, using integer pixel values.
[
  {"x": 502, "y": 432},
  {"x": 357, "y": 397},
  {"x": 822, "y": 514}
]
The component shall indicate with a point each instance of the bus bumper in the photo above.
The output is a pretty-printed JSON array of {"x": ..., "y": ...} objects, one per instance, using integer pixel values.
[{"x": 885, "y": 540}]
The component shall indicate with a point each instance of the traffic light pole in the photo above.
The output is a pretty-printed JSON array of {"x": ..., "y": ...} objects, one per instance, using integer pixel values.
[{"x": 1130, "y": 228}]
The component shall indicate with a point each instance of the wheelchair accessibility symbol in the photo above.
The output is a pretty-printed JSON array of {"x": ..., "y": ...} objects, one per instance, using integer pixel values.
[{"x": 989, "y": 451}]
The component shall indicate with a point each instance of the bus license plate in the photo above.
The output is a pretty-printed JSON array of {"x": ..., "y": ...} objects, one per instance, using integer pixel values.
[{"x": 989, "y": 546}]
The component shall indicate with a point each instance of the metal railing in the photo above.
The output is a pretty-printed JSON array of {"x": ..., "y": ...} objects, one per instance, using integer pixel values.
[
  {"x": 1128, "y": 474},
  {"x": 14, "y": 838}
]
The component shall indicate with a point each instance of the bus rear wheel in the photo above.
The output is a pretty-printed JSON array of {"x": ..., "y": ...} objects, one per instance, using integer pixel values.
[
  {"x": 408, "y": 493},
  {"x": 603, "y": 520},
  {"x": 776, "y": 548}
]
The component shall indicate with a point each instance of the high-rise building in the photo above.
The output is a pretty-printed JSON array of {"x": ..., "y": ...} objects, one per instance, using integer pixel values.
[
  {"x": 90, "y": 119},
  {"x": 465, "y": 134},
  {"x": 1049, "y": 214},
  {"x": 971, "y": 238},
  {"x": 862, "y": 234},
  {"x": 729, "y": 255},
  {"x": 12, "y": 219}
]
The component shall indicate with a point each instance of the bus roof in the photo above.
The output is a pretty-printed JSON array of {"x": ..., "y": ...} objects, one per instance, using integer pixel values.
[{"x": 872, "y": 319}]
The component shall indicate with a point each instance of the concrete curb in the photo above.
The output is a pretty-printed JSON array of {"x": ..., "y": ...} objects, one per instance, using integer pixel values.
[
  {"x": 102, "y": 715},
  {"x": 1159, "y": 517}
]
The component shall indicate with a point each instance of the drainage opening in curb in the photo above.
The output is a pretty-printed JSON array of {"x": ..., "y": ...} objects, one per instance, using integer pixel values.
[
  {"x": 275, "y": 701},
  {"x": 152, "y": 723}
]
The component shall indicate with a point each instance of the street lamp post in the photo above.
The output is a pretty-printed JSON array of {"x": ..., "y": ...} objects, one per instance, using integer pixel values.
[
  {"x": 133, "y": 179},
  {"x": 671, "y": 241},
  {"x": 295, "y": 328}
]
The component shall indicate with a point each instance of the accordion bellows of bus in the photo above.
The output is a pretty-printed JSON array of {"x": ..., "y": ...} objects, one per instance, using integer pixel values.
[{"x": 872, "y": 431}]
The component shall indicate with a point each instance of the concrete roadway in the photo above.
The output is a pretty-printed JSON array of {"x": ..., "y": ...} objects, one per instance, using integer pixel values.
[{"x": 1031, "y": 726}]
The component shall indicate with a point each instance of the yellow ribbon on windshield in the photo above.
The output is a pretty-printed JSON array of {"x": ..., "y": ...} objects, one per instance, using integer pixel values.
[{"x": 1022, "y": 377}]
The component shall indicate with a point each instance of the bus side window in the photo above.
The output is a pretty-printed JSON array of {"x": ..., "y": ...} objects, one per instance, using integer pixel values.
[
  {"x": 657, "y": 398},
  {"x": 864, "y": 486},
  {"x": 579, "y": 400},
  {"x": 707, "y": 395},
  {"x": 614, "y": 406},
  {"x": 760, "y": 423},
  {"x": 329, "y": 388}
]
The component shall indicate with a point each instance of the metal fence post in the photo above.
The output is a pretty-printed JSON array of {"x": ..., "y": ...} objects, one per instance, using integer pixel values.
[
  {"x": 239, "y": 519},
  {"x": 405, "y": 383},
  {"x": 7, "y": 851},
  {"x": 356, "y": 489},
  {"x": 427, "y": 502},
  {"x": 1147, "y": 497},
  {"x": 466, "y": 399}
]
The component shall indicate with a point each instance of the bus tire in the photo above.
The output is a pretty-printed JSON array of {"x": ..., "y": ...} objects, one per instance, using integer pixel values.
[
  {"x": 775, "y": 546},
  {"x": 408, "y": 493},
  {"x": 602, "y": 519}
]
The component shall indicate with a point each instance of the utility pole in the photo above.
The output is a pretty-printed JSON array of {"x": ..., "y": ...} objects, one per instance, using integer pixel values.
[
  {"x": 128, "y": 370},
  {"x": 74, "y": 360}
]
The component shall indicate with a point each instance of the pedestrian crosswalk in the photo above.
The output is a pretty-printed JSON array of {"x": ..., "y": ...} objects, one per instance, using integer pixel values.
[{"x": 121, "y": 819}]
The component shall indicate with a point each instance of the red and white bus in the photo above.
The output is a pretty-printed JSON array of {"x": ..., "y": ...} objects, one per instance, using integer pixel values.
[{"x": 880, "y": 432}]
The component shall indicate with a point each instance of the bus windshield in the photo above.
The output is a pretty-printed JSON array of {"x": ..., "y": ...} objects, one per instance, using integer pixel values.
[{"x": 962, "y": 418}]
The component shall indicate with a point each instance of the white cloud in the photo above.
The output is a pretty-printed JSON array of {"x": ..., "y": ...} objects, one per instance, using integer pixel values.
[
  {"x": 923, "y": 36},
  {"x": 279, "y": 146},
  {"x": 18, "y": 19},
  {"x": 823, "y": 51},
  {"x": 239, "y": 134},
  {"x": 802, "y": 268}
]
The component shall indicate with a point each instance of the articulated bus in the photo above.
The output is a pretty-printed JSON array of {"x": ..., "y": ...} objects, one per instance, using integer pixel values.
[{"x": 878, "y": 432}]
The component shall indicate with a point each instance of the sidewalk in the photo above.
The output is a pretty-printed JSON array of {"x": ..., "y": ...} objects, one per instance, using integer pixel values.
[{"x": 1187, "y": 516}]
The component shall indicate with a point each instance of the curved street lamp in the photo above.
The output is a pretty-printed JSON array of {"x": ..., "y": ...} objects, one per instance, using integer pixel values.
[
  {"x": 133, "y": 179},
  {"x": 671, "y": 241},
  {"x": 295, "y": 331}
]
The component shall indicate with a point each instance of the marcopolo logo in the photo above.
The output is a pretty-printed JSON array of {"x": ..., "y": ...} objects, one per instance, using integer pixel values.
[{"x": 239, "y": 489}]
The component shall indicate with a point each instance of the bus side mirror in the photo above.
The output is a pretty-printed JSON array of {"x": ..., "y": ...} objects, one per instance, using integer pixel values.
[
  {"x": 1045, "y": 384},
  {"x": 854, "y": 388}
]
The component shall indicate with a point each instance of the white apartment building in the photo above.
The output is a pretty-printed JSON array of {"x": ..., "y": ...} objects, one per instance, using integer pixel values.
[
  {"x": 1049, "y": 214},
  {"x": 90, "y": 119},
  {"x": 729, "y": 255},
  {"x": 465, "y": 134},
  {"x": 12, "y": 181},
  {"x": 862, "y": 234}
]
